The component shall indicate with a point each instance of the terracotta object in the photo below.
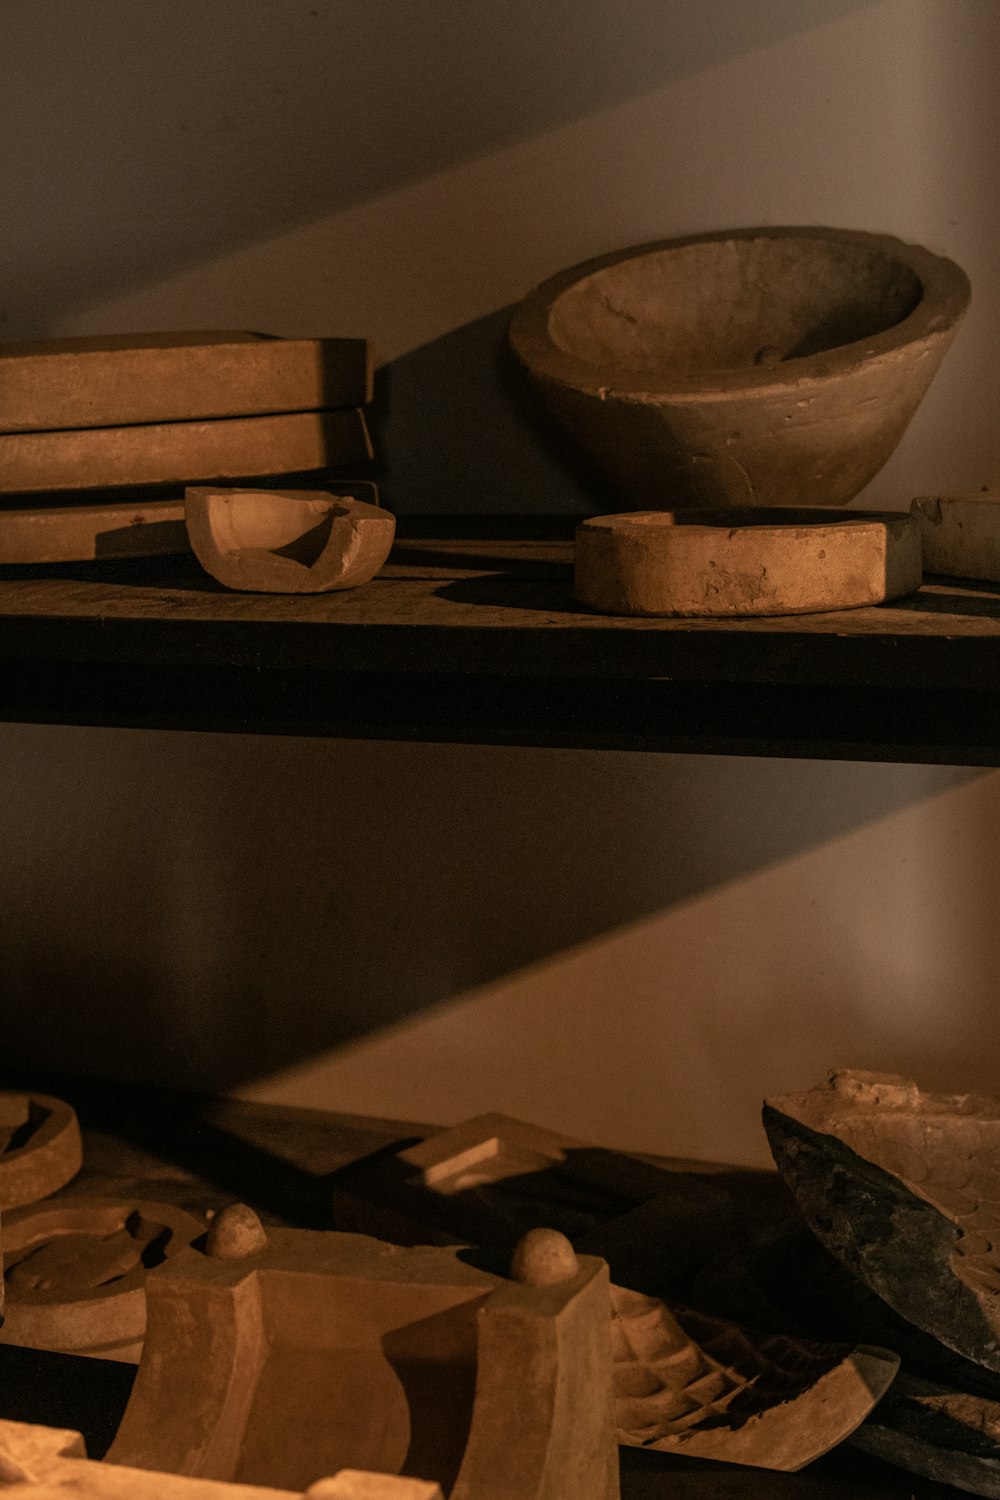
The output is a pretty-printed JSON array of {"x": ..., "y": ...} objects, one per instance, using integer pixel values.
[
  {"x": 960, "y": 534},
  {"x": 40, "y": 1463},
  {"x": 287, "y": 1354},
  {"x": 716, "y": 564},
  {"x": 748, "y": 367},
  {"x": 904, "y": 1188},
  {"x": 40, "y": 1147},
  {"x": 75, "y": 1272},
  {"x": 682, "y": 1381},
  {"x": 81, "y": 533},
  {"x": 287, "y": 541},
  {"x": 686, "y": 1383},
  {"x": 118, "y": 380},
  {"x": 180, "y": 452}
]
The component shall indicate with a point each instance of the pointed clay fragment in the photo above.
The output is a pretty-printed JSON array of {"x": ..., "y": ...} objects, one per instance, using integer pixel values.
[
  {"x": 287, "y": 541},
  {"x": 686, "y": 1383},
  {"x": 904, "y": 1188}
]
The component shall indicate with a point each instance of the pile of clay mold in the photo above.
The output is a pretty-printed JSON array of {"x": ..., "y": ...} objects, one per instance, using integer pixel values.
[
  {"x": 149, "y": 445},
  {"x": 498, "y": 1308}
]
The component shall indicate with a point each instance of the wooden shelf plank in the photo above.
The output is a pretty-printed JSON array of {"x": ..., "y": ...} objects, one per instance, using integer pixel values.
[{"x": 477, "y": 637}]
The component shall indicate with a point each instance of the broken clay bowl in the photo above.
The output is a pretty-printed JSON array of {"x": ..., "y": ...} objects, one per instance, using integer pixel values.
[
  {"x": 286, "y": 541},
  {"x": 775, "y": 366}
]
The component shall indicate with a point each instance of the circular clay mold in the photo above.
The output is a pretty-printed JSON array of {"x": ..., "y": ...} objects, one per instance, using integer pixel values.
[
  {"x": 720, "y": 564},
  {"x": 40, "y": 1147},
  {"x": 75, "y": 1272}
]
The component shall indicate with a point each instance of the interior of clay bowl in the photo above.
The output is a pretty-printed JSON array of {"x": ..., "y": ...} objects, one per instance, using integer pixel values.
[
  {"x": 730, "y": 304},
  {"x": 263, "y": 520}
]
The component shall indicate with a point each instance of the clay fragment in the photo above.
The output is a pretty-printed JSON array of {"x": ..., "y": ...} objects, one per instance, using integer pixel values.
[
  {"x": 904, "y": 1188},
  {"x": 324, "y": 1351},
  {"x": 960, "y": 534},
  {"x": 40, "y": 1463},
  {"x": 691, "y": 1384},
  {"x": 765, "y": 366},
  {"x": 287, "y": 541},
  {"x": 81, "y": 533},
  {"x": 75, "y": 1272},
  {"x": 40, "y": 1147},
  {"x": 949, "y": 1436},
  {"x": 119, "y": 380},
  {"x": 181, "y": 452},
  {"x": 716, "y": 564}
]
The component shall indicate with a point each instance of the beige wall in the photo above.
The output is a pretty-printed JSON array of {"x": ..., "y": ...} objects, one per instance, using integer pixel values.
[{"x": 632, "y": 948}]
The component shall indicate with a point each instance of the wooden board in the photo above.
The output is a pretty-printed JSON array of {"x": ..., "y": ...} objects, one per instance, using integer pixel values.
[
  {"x": 106, "y": 381},
  {"x": 181, "y": 452}
]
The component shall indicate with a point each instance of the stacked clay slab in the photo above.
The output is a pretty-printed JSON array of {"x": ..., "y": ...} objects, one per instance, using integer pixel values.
[{"x": 99, "y": 436}]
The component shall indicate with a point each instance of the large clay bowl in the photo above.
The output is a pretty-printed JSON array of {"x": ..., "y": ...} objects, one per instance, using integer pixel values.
[{"x": 748, "y": 367}]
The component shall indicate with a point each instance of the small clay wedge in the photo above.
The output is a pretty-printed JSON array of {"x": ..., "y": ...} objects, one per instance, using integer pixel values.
[
  {"x": 287, "y": 541},
  {"x": 904, "y": 1188}
]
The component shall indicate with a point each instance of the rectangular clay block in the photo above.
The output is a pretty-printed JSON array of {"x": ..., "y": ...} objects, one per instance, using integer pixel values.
[
  {"x": 960, "y": 534},
  {"x": 175, "y": 377},
  {"x": 181, "y": 452},
  {"x": 81, "y": 533}
]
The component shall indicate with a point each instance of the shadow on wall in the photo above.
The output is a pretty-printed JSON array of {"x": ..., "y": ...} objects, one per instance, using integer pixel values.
[
  {"x": 492, "y": 447},
  {"x": 201, "y": 911},
  {"x": 193, "y": 129}
]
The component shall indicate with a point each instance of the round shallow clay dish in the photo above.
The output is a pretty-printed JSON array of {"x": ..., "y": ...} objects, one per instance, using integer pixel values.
[
  {"x": 749, "y": 367},
  {"x": 40, "y": 1147},
  {"x": 719, "y": 563}
]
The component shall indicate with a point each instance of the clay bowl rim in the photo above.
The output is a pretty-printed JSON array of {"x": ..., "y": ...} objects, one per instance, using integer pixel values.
[{"x": 942, "y": 305}]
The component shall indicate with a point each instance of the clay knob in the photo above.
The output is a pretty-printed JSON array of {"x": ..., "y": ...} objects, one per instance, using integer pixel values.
[
  {"x": 544, "y": 1257},
  {"x": 235, "y": 1233}
]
